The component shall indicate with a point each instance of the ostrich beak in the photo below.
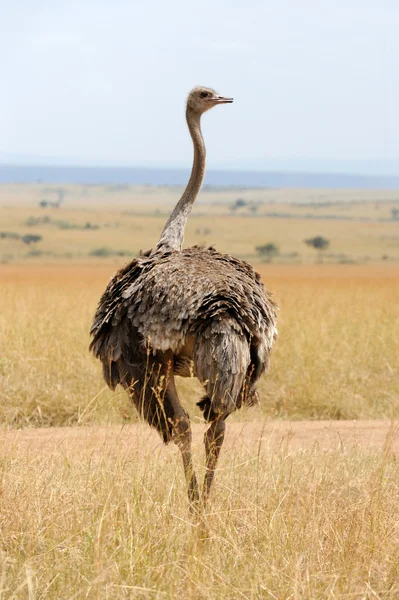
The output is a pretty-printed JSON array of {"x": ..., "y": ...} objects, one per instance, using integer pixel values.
[{"x": 221, "y": 100}]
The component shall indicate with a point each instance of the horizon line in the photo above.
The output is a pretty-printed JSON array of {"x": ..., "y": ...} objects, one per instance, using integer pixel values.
[{"x": 217, "y": 169}]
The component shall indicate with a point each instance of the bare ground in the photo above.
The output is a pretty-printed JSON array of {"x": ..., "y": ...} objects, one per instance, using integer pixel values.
[{"x": 253, "y": 436}]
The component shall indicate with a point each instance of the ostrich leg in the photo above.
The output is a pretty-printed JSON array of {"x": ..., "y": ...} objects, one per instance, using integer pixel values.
[
  {"x": 213, "y": 440},
  {"x": 181, "y": 435}
]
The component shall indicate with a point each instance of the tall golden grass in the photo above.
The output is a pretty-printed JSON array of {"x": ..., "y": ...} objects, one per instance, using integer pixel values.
[
  {"x": 102, "y": 514},
  {"x": 100, "y": 510},
  {"x": 336, "y": 356}
]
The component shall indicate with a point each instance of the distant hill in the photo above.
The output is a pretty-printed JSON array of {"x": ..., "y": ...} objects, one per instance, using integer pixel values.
[{"x": 226, "y": 178}]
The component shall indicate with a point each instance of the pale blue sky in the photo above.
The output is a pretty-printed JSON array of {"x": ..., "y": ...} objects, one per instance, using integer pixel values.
[{"x": 94, "y": 81}]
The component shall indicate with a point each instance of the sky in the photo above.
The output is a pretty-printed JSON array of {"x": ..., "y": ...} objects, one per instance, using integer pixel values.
[{"x": 315, "y": 82}]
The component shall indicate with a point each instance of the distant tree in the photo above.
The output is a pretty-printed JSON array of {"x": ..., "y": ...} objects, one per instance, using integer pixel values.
[
  {"x": 268, "y": 251},
  {"x": 239, "y": 203},
  {"x": 43, "y": 203},
  {"x": 31, "y": 239},
  {"x": 319, "y": 243},
  {"x": 395, "y": 213}
]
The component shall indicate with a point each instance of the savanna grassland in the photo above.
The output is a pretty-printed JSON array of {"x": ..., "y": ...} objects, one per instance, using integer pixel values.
[
  {"x": 102, "y": 513},
  {"x": 336, "y": 356},
  {"x": 95, "y": 222},
  {"x": 95, "y": 507}
]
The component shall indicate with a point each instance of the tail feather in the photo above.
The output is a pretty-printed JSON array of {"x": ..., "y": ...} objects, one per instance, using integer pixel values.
[{"x": 221, "y": 358}]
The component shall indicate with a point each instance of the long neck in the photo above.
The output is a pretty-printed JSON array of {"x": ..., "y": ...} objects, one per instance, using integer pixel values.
[{"x": 172, "y": 235}]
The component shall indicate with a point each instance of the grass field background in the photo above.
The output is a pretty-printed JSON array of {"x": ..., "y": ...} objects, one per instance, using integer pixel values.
[
  {"x": 97, "y": 222},
  {"x": 102, "y": 514},
  {"x": 336, "y": 356},
  {"x": 98, "y": 508}
]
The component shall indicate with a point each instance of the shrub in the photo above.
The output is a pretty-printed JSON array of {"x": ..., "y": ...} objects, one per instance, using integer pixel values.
[
  {"x": 89, "y": 225},
  {"x": 46, "y": 203},
  {"x": 10, "y": 235},
  {"x": 104, "y": 252},
  {"x": 31, "y": 238},
  {"x": 268, "y": 251},
  {"x": 101, "y": 252},
  {"x": 319, "y": 242},
  {"x": 61, "y": 224},
  {"x": 33, "y": 221},
  {"x": 239, "y": 203}
]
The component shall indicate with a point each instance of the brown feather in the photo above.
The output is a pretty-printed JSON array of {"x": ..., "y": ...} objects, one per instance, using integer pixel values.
[{"x": 197, "y": 305}]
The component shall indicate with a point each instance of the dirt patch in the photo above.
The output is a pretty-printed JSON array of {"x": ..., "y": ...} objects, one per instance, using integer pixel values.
[{"x": 254, "y": 436}]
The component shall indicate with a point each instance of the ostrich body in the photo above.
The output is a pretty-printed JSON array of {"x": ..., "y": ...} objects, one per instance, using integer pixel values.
[{"x": 192, "y": 312}]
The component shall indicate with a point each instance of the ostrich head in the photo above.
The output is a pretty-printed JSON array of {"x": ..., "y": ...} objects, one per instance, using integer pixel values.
[{"x": 201, "y": 99}]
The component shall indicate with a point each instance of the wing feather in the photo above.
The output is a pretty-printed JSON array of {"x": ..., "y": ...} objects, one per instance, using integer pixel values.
[{"x": 167, "y": 296}]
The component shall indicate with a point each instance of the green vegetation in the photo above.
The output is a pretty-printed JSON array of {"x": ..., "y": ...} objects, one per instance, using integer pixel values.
[
  {"x": 359, "y": 225},
  {"x": 267, "y": 251},
  {"x": 239, "y": 203},
  {"x": 61, "y": 224},
  {"x": 31, "y": 239},
  {"x": 318, "y": 242},
  {"x": 9, "y": 235},
  {"x": 104, "y": 252}
]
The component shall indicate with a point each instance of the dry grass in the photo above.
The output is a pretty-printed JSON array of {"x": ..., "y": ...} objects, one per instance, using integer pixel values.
[
  {"x": 94, "y": 514},
  {"x": 130, "y": 219},
  {"x": 336, "y": 357},
  {"x": 102, "y": 513}
]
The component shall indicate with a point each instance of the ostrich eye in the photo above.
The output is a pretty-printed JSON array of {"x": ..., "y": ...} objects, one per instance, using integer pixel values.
[{"x": 204, "y": 94}]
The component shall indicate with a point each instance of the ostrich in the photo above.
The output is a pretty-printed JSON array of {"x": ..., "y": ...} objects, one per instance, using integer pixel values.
[{"x": 192, "y": 312}]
